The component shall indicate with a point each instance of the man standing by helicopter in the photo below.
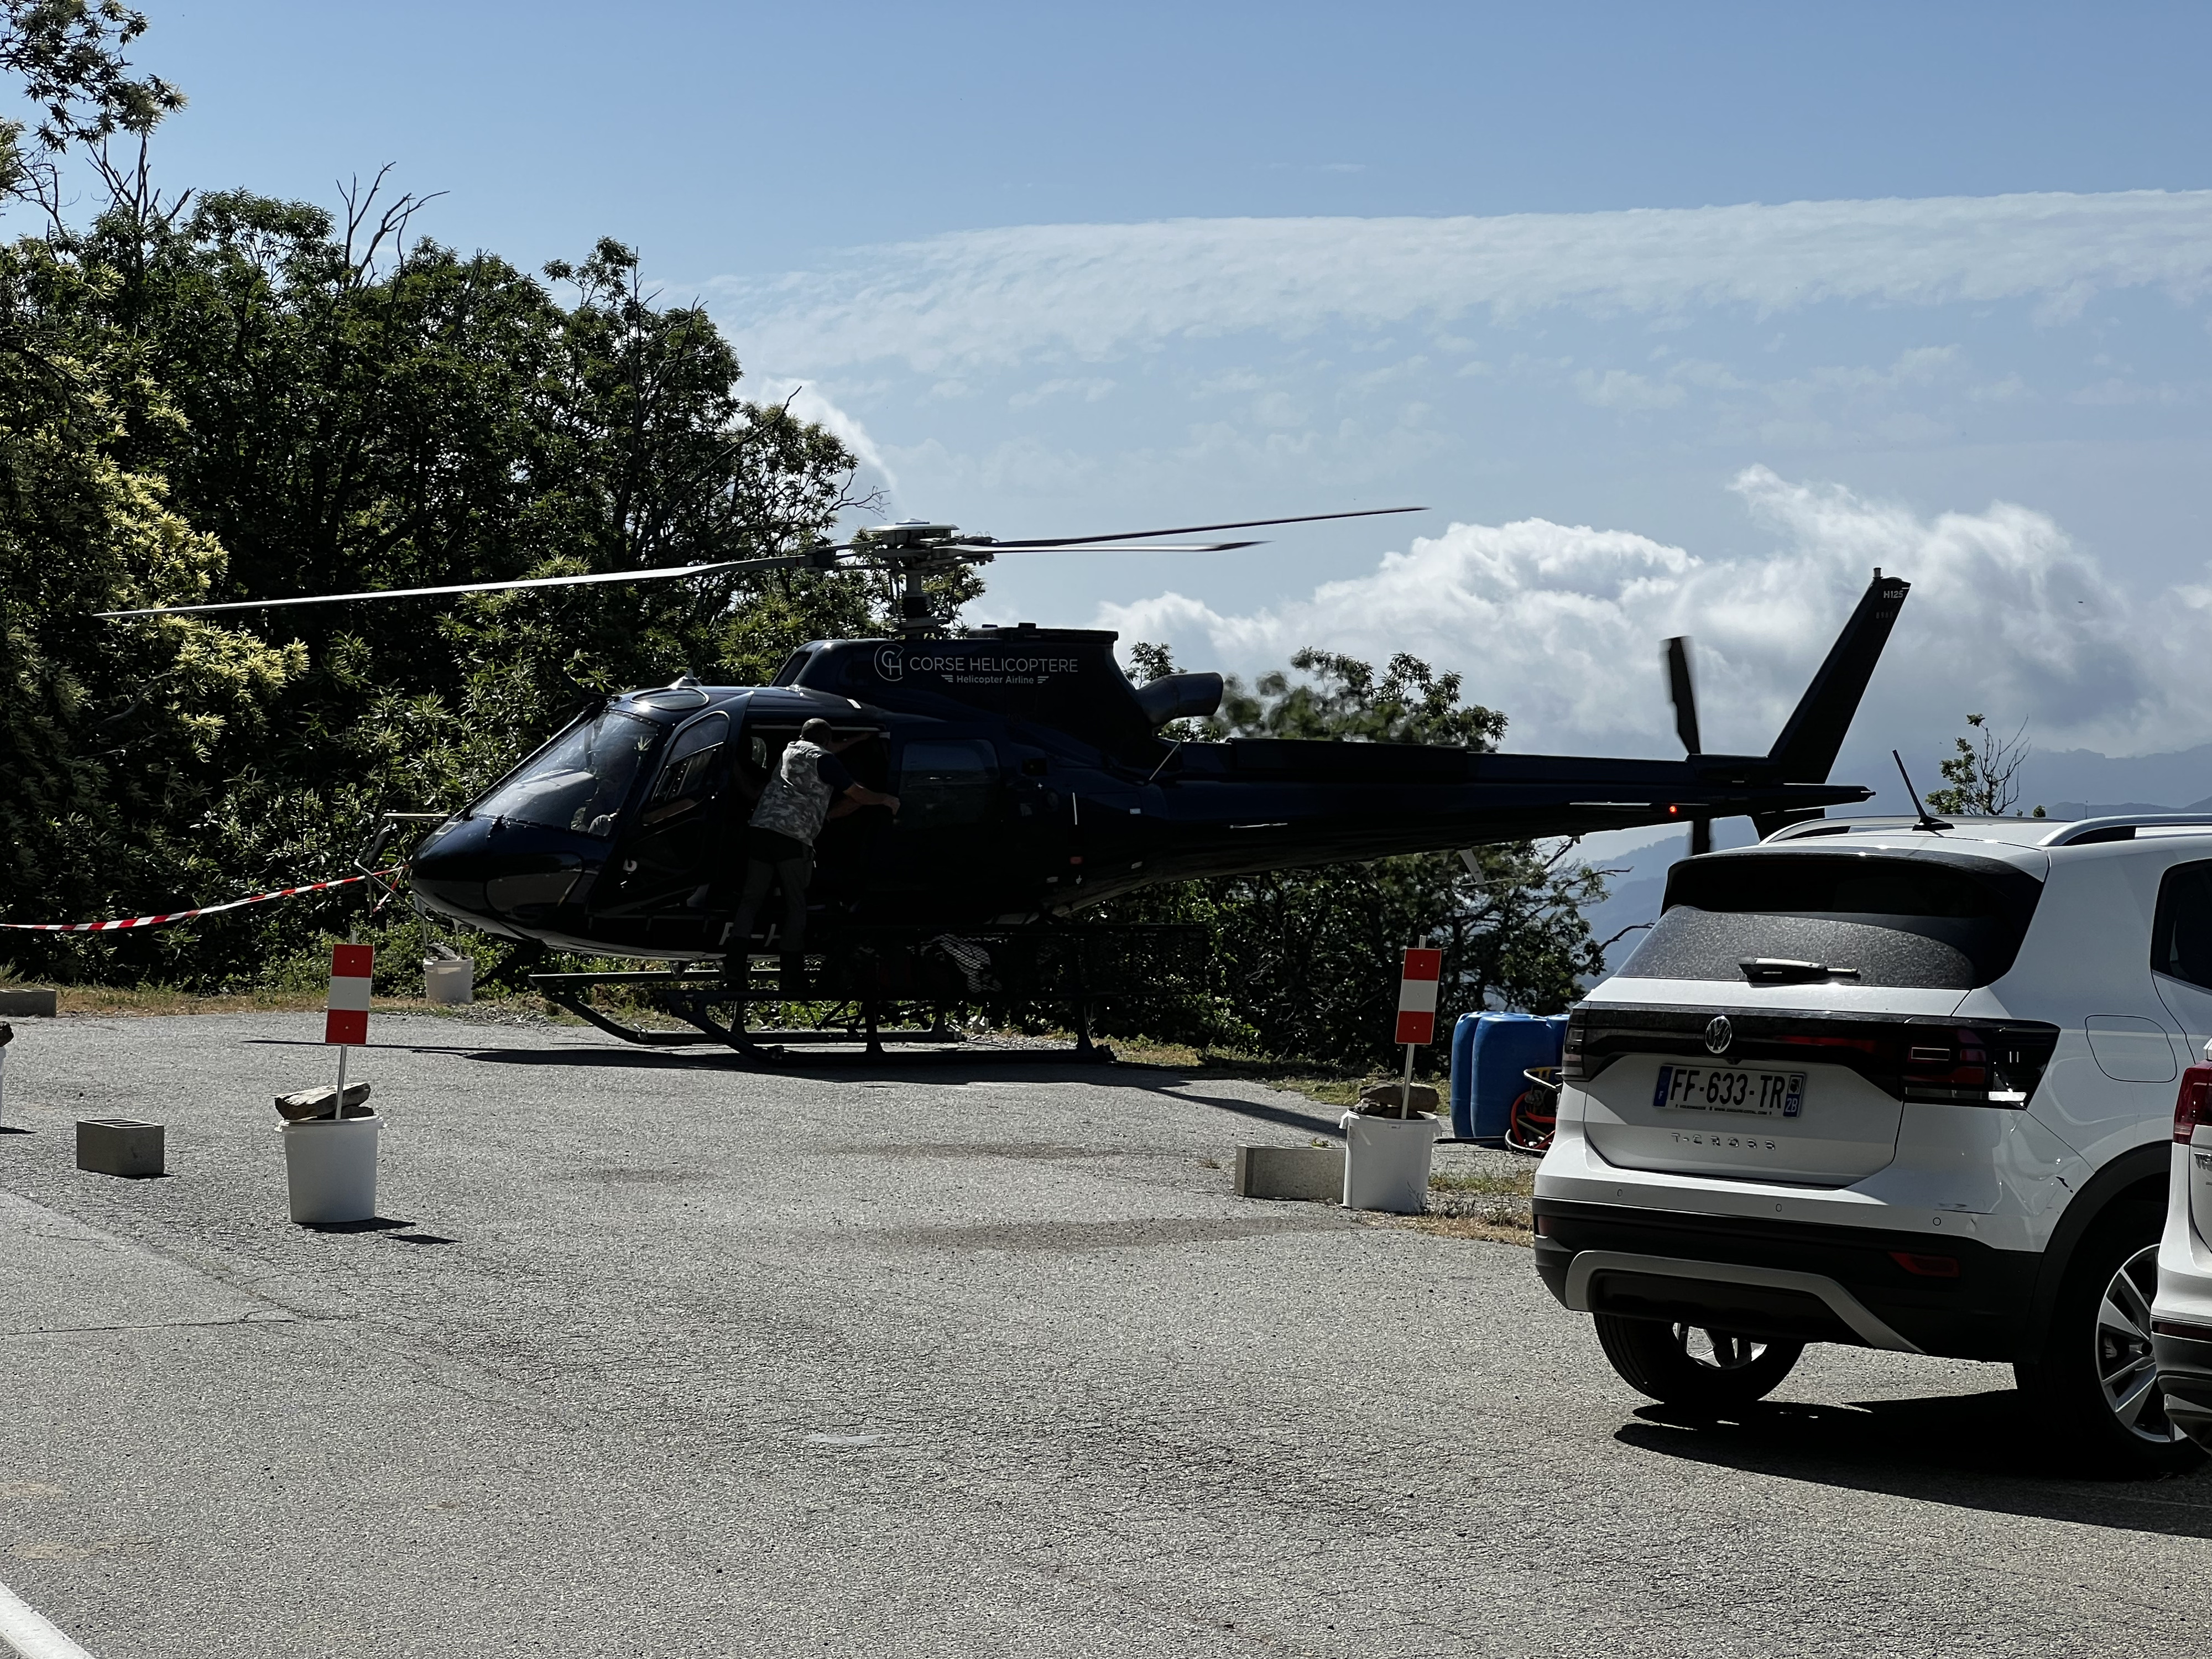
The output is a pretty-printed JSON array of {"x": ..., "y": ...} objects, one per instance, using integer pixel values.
[{"x": 809, "y": 785}]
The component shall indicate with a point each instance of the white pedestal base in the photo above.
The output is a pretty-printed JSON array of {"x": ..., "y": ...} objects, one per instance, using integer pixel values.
[
  {"x": 1386, "y": 1161},
  {"x": 332, "y": 1167}
]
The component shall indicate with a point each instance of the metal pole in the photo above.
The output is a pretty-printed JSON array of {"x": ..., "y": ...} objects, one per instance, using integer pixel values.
[{"x": 338, "y": 1106}]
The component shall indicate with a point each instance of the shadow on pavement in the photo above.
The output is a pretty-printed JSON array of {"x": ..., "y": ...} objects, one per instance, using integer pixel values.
[
  {"x": 375, "y": 1223},
  {"x": 946, "y": 1066},
  {"x": 1316, "y": 1122},
  {"x": 1975, "y": 1451}
]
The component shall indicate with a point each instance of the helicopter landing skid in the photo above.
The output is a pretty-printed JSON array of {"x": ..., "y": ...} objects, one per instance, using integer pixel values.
[{"x": 690, "y": 995}]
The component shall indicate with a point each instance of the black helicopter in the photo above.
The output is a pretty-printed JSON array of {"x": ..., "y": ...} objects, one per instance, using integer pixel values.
[{"x": 1035, "y": 782}]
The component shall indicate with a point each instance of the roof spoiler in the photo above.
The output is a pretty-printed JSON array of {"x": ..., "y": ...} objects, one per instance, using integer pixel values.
[{"x": 1806, "y": 749}]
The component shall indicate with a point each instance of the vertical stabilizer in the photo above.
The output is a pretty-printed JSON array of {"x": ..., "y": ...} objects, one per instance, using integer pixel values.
[{"x": 1808, "y": 744}]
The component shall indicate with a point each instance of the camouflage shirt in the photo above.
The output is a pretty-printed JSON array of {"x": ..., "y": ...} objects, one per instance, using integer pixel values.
[{"x": 798, "y": 796}]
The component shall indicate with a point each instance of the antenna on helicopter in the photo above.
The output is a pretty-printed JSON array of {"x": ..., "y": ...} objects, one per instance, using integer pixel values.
[{"x": 913, "y": 549}]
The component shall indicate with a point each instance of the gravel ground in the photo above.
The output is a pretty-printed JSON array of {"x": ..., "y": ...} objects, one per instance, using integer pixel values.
[{"x": 652, "y": 1355}]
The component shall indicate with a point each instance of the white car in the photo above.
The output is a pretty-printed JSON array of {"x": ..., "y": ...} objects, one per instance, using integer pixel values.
[{"x": 1904, "y": 1085}]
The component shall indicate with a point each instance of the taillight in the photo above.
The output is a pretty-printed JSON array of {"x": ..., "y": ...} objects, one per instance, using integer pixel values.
[
  {"x": 1974, "y": 1065},
  {"x": 2193, "y": 1105},
  {"x": 1576, "y": 1046}
]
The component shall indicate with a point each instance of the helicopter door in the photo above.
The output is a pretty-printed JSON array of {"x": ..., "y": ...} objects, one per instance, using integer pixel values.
[
  {"x": 663, "y": 872},
  {"x": 949, "y": 791}
]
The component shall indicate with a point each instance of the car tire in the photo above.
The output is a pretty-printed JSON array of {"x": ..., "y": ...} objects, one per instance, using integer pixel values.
[
  {"x": 2092, "y": 1386},
  {"x": 1700, "y": 1370}
]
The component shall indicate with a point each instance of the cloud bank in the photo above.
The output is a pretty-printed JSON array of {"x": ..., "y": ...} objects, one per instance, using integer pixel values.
[
  {"x": 1561, "y": 626},
  {"x": 996, "y": 298}
]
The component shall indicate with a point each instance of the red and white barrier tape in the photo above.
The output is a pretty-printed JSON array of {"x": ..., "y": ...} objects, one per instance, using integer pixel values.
[{"x": 203, "y": 910}]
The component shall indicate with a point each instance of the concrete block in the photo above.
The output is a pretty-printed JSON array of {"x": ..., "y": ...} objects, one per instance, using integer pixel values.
[
  {"x": 30, "y": 1001},
  {"x": 1307, "y": 1172},
  {"x": 118, "y": 1146}
]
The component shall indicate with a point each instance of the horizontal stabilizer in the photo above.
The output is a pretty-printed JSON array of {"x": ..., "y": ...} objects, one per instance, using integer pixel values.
[{"x": 1808, "y": 744}]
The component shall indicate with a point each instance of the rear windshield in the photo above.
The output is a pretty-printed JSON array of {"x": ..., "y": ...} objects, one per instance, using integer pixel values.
[
  {"x": 1918, "y": 922},
  {"x": 578, "y": 781}
]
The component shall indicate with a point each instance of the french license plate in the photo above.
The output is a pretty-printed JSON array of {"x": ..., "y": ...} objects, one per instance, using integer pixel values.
[{"x": 1730, "y": 1088}]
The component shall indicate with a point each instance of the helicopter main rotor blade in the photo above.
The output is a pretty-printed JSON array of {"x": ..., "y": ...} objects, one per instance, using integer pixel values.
[
  {"x": 1057, "y": 542},
  {"x": 660, "y": 574},
  {"x": 1087, "y": 547}
]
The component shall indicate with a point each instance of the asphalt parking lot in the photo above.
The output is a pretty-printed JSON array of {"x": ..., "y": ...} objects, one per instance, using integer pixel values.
[{"x": 660, "y": 1357}]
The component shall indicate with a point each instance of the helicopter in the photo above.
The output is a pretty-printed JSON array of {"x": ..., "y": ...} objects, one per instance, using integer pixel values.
[{"x": 1036, "y": 783}]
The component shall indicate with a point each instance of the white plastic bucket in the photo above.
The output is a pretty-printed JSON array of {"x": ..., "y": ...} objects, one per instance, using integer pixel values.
[
  {"x": 1386, "y": 1161},
  {"x": 449, "y": 980},
  {"x": 332, "y": 1167}
]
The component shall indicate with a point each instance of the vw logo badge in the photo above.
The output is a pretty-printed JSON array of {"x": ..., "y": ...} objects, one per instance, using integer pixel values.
[
  {"x": 1718, "y": 1034},
  {"x": 888, "y": 664}
]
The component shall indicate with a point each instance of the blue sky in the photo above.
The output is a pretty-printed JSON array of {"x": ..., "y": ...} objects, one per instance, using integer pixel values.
[{"x": 1678, "y": 318}]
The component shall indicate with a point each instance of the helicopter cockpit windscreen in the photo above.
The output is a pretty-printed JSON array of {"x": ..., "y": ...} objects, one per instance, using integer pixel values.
[{"x": 580, "y": 781}]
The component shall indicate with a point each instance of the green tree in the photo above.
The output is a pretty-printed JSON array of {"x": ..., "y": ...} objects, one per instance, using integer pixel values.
[{"x": 1982, "y": 776}]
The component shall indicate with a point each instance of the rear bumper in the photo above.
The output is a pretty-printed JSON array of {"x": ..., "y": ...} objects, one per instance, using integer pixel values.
[
  {"x": 2184, "y": 1373},
  {"x": 1785, "y": 1281}
]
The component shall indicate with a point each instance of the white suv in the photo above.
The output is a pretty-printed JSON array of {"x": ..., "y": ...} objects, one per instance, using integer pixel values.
[{"x": 1903, "y": 1084}]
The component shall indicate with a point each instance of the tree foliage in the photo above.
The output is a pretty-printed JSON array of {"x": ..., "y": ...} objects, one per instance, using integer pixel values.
[{"x": 1981, "y": 777}]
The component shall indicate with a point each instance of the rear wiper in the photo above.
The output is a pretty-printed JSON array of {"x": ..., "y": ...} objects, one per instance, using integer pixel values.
[{"x": 1781, "y": 970}]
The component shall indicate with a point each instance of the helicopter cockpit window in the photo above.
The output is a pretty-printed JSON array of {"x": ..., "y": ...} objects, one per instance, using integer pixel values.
[
  {"x": 580, "y": 781},
  {"x": 942, "y": 784},
  {"x": 688, "y": 775}
]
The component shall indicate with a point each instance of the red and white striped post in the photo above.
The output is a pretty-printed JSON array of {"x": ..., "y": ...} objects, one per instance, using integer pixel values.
[
  {"x": 346, "y": 1022},
  {"x": 1417, "y": 1010}
]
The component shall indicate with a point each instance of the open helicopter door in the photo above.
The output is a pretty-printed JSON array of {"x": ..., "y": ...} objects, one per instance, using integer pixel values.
[
  {"x": 844, "y": 849},
  {"x": 662, "y": 873}
]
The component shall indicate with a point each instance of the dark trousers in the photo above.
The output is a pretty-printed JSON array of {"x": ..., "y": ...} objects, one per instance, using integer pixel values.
[{"x": 779, "y": 859}]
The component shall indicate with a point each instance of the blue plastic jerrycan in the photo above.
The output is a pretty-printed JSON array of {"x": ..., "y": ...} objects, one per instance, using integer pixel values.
[{"x": 1489, "y": 1052}]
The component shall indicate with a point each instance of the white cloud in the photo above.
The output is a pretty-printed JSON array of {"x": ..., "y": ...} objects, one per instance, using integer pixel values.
[
  {"x": 1561, "y": 626},
  {"x": 809, "y": 405},
  {"x": 1000, "y": 297}
]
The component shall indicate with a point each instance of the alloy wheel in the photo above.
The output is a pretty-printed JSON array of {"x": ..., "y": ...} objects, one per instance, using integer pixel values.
[
  {"x": 1717, "y": 1349},
  {"x": 2125, "y": 1370}
]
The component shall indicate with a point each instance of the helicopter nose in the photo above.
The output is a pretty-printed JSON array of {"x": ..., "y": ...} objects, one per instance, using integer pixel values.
[
  {"x": 449, "y": 869},
  {"x": 491, "y": 871}
]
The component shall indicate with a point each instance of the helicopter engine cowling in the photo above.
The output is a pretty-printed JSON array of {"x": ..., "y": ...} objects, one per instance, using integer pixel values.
[{"x": 1180, "y": 696}]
